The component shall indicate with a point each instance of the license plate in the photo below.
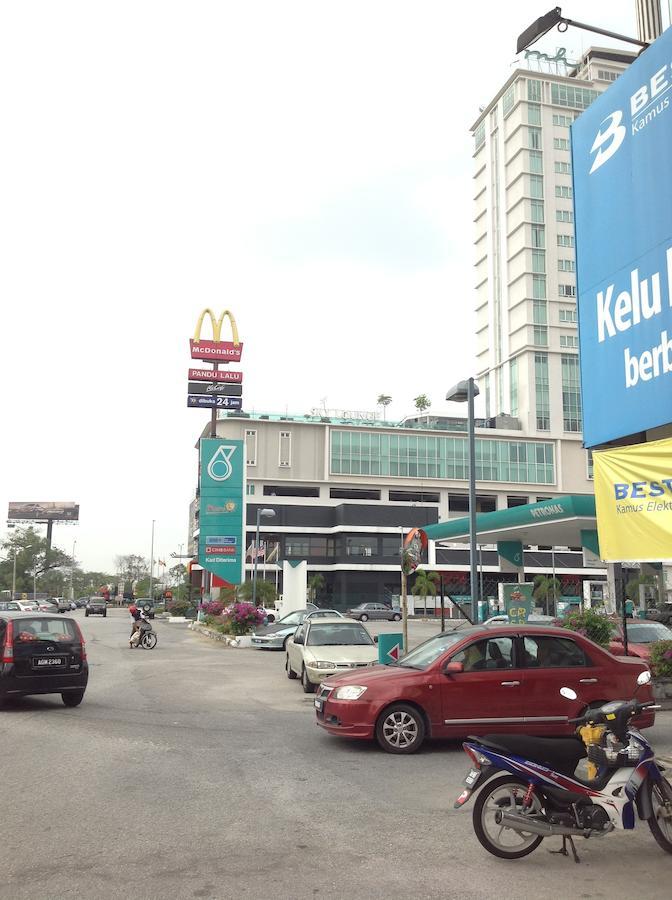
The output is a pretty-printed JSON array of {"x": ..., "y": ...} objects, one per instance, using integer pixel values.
[
  {"x": 472, "y": 777},
  {"x": 47, "y": 662},
  {"x": 319, "y": 704}
]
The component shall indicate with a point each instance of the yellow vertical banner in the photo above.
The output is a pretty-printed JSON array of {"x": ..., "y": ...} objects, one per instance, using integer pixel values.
[{"x": 633, "y": 501}]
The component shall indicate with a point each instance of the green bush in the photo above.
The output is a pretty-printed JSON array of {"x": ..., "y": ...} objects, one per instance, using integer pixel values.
[
  {"x": 224, "y": 627},
  {"x": 592, "y": 625},
  {"x": 661, "y": 659}
]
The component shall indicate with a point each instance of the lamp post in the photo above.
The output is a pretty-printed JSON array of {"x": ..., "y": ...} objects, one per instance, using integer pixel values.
[
  {"x": 151, "y": 565},
  {"x": 72, "y": 566},
  {"x": 267, "y": 513},
  {"x": 465, "y": 391}
]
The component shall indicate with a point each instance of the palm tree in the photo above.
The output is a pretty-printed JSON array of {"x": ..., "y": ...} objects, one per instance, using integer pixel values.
[
  {"x": 383, "y": 400},
  {"x": 315, "y": 583},
  {"x": 547, "y": 590},
  {"x": 425, "y": 585},
  {"x": 422, "y": 402}
]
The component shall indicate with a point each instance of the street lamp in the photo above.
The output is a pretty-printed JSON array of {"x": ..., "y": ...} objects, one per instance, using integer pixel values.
[
  {"x": 72, "y": 567},
  {"x": 267, "y": 513},
  {"x": 465, "y": 391},
  {"x": 544, "y": 24}
]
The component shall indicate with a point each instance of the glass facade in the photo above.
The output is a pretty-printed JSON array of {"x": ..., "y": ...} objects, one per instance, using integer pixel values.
[
  {"x": 543, "y": 407},
  {"x": 576, "y": 97},
  {"x": 513, "y": 386},
  {"x": 533, "y": 114},
  {"x": 534, "y": 90},
  {"x": 571, "y": 393},
  {"x": 508, "y": 100},
  {"x": 537, "y": 211},
  {"x": 479, "y": 136},
  {"x": 436, "y": 456}
]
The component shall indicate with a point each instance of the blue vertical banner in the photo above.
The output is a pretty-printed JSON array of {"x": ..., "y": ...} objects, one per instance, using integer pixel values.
[
  {"x": 221, "y": 539},
  {"x": 623, "y": 221}
]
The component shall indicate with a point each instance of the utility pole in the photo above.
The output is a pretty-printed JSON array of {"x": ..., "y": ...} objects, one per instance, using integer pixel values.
[{"x": 151, "y": 565}]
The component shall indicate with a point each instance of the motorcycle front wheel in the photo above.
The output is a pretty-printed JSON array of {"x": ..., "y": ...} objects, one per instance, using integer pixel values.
[
  {"x": 504, "y": 794},
  {"x": 660, "y": 823},
  {"x": 148, "y": 640}
]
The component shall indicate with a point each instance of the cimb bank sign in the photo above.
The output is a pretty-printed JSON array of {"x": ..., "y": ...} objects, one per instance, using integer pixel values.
[{"x": 623, "y": 222}]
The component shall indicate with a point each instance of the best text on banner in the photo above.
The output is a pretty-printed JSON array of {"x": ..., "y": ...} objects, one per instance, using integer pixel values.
[{"x": 633, "y": 500}]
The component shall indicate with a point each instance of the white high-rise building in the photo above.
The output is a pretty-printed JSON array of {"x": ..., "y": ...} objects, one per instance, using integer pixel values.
[{"x": 527, "y": 341}]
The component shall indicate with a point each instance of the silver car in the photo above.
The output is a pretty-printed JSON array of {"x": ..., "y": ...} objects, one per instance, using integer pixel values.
[{"x": 275, "y": 636}]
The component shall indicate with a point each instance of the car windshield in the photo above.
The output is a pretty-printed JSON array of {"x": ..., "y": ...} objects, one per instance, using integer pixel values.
[
  {"x": 648, "y": 632},
  {"x": 29, "y": 629},
  {"x": 294, "y": 618},
  {"x": 336, "y": 635},
  {"x": 429, "y": 651}
]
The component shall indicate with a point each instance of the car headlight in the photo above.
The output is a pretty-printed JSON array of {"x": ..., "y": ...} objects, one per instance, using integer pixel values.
[
  {"x": 321, "y": 664},
  {"x": 349, "y": 692}
]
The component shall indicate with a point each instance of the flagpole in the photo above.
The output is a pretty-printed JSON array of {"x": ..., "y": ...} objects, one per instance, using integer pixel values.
[{"x": 151, "y": 565}]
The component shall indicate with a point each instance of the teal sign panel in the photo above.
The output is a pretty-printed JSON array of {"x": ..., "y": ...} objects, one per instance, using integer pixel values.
[
  {"x": 221, "y": 540},
  {"x": 511, "y": 552},
  {"x": 390, "y": 648},
  {"x": 518, "y": 602}
]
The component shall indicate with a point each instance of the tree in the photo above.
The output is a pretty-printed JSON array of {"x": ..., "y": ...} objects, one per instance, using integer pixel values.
[
  {"x": 632, "y": 587},
  {"x": 30, "y": 550},
  {"x": 178, "y": 579},
  {"x": 383, "y": 400},
  {"x": 266, "y": 593},
  {"x": 131, "y": 569},
  {"x": 425, "y": 585},
  {"x": 316, "y": 583},
  {"x": 547, "y": 591},
  {"x": 422, "y": 402}
]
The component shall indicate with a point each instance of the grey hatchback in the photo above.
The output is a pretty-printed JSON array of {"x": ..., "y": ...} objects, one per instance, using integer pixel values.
[
  {"x": 366, "y": 611},
  {"x": 42, "y": 654}
]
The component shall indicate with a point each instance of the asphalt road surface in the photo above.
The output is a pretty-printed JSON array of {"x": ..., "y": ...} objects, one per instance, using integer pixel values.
[{"x": 196, "y": 771}]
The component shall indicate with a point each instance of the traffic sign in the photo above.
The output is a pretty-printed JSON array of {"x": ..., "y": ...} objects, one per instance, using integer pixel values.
[
  {"x": 208, "y": 400},
  {"x": 226, "y": 390},
  {"x": 216, "y": 375},
  {"x": 394, "y": 653}
]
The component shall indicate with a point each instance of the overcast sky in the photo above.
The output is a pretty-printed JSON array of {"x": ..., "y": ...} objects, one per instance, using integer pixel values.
[{"x": 305, "y": 164}]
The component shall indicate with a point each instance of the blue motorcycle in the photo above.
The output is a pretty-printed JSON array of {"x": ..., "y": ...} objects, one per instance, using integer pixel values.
[{"x": 529, "y": 789}]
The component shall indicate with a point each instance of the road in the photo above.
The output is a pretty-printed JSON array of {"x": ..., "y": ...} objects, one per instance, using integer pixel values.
[{"x": 196, "y": 771}]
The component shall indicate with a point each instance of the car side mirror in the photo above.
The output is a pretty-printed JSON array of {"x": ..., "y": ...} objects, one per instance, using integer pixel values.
[
  {"x": 375, "y": 639},
  {"x": 452, "y": 668},
  {"x": 298, "y": 640}
]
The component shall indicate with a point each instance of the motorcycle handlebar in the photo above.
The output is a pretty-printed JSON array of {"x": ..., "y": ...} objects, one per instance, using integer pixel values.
[{"x": 636, "y": 708}]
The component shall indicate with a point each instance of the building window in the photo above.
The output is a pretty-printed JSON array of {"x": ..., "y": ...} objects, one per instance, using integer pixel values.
[
  {"x": 290, "y": 490},
  {"x": 251, "y": 448},
  {"x": 564, "y": 215},
  {"x": 536, "y": 187},
  {"x": 534, "y": 138},
  {"x": 606, "y": 75},
  {"x": 285, "y": 450},
  {"x": 534, "y": 90},
  {"x": 563, "y": 168},
  {"x": 353, "y": 494},
  {"x": 575, "y": 97},
  {"x": 537, "y": 211},
  {"x": 536, "y": 162},
  {"x": 567, "y": 290},
  {"x": 563, "y": 191},
  {"x": 589, "y": 464},
  {"x": 538, "y": 236},
  {"x": 567, "y": 315},
  {"x": 565, "y": 240},
  {"x": 538, "y": 287},
  {"x": 513, "y": 386},
  {"x": 566, "y": 265},
  {"x": 413, "y": 497},
  {"x": 538, "y": 261},
  {"x": 479, "y": 136},
  {"x": 441, "y": 457},
  {"x": 563, "y": 121},
  {"x": 540, "y": 336},
  {"x": 533, "y": 114},
  {"x": 543, "y": 408},
  {"x": 249, "y": 490},
  {"x": 361, "y": 546},
  {"x": 561, "y": 143},
  {"x": 570, "y": 341},
  {"x": 508, "y": 100},
  {"x": 571, "y": 393},
  {"x": 539, "y": 312}
]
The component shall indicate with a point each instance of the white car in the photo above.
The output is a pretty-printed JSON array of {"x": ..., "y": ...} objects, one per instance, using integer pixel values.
[
  {"x": 28, "y": 605},
  {"x": 321, "y": 647}
]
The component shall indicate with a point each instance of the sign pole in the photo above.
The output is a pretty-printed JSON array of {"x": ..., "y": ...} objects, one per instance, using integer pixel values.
[
  {"x": 404, "y": 608},
  {"x": 213, "y": 415}
]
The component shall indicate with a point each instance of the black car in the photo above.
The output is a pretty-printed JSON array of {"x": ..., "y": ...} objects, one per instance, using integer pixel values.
[
  {"x": 42, "y": 654},
  {"x": 96, "y": 606}
]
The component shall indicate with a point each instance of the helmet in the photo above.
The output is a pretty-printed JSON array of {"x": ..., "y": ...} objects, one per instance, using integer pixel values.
[{"x": 133, "y": 608}]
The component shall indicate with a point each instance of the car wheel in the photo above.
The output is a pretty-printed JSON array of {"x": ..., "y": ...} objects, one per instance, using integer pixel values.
[
  {"x": 105, "y": 615},
  {"x": 308, "y": 686},
  {"x": 400, "y": 729},
  {"x": 73, "y": 698},
  {"x": 291, "y": 674},
  {"x": 363, "y": 618},
  {"x": 396, "y": 617}
]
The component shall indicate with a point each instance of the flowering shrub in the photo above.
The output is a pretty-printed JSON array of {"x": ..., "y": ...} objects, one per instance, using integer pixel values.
[
  {"x": 242, "y": 616},
  {"x": 661, "y": 659},
  {"x": 591, "y": 625},
  {"x": 212, "y": 607}
]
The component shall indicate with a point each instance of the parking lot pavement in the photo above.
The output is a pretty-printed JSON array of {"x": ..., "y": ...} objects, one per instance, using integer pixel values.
[{"x": 418, "y": 629}]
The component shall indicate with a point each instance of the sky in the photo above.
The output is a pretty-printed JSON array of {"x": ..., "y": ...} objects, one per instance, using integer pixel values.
[{"x": 306, "y": 165}]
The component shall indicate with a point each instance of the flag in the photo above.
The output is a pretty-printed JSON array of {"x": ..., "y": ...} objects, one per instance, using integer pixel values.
[
  {"x": 274, "y": 553},
  {"x": 256, "y": 553},
  {"x": 161, "y": 562}
]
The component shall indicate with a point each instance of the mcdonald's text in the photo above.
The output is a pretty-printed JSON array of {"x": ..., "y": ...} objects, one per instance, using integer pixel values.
[
  {"x": 216, "y": 375},
  {"x": 216, "y": 351}
]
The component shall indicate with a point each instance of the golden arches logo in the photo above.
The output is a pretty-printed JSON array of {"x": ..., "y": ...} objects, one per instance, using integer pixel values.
[{"x": 217, "y": 326}]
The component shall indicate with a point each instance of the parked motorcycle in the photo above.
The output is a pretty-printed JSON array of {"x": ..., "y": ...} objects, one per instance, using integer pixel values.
[{"x": 530, "y": 789}]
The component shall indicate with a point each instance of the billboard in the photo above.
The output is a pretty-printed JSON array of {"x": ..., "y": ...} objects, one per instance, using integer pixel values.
[
  {"x": 221, "y": 539},
  {"x": 57, "y": 511},
  {"x": 623, "y": 222},
  {"x": 633, "y": 498}
]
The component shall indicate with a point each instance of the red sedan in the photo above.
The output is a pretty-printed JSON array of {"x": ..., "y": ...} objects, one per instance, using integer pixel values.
[{"x": 478, "y": 680}]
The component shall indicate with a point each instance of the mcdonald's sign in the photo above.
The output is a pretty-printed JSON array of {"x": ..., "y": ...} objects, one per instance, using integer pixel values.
[{"x": 216, "y": 350}]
